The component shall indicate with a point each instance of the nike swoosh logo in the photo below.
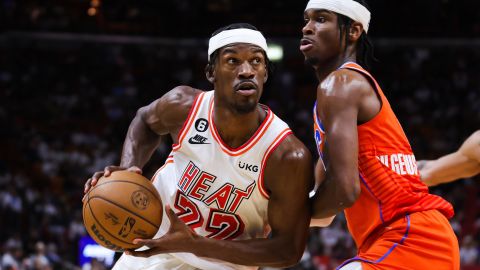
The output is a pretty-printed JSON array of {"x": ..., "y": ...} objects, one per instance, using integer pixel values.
[{"x": 192, "y": 141}]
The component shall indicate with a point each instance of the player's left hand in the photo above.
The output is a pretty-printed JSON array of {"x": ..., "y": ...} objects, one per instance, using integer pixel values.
[{"x": 178, "y": 238}]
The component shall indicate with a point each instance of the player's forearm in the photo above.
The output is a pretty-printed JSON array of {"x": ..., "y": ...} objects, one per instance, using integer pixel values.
[
  {"x": 436, "y": 177},
  {"x": 447, "y": 169},
  {"x": 255, "y": 252},
  {"x": 433, "y": 177},
  {"x": 139, "y": 145}
]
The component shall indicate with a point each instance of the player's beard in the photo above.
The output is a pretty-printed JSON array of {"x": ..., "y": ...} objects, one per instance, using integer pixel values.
[
  {"x": 311, "y": 61},
  {"x": 244, "y": 108}
]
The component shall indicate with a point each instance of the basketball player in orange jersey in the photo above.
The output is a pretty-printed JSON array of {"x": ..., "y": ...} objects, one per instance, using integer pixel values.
[
  {"x": 370, "y": 169},
  {"x": 463, "y": 163},
  {"x": 236, "y": 171}
]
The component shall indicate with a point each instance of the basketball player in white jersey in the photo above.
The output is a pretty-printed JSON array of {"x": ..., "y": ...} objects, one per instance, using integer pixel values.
[
  {"x": 463, "y": 163},
  {"x": 236, "y": 173}
]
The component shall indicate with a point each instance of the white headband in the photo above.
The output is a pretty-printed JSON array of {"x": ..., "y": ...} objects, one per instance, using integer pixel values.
[
  {"x": 349, "y": 8},
  {"x": 241, "y": 35}
]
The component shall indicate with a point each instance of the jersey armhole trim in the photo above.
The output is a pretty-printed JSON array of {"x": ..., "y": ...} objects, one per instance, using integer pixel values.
[
  {"x": 167, "y": 161},
  {"x": 376, "y": 87},
  {"x": 251, "y": 141},
  {"x": 188, "y": 122},
  {"x": 261, "y": 184}
]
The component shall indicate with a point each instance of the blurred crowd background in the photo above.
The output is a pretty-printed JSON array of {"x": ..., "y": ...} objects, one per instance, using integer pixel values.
[{"x": 74, "y": 72}]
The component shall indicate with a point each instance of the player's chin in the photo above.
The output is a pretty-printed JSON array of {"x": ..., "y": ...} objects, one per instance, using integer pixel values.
[
  {"x": 311, "y": 61},
  {"x": 247, "y": 106}
]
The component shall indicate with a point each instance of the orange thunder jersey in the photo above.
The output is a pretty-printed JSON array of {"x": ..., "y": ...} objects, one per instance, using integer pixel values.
[{"x": 390, "y": 183}]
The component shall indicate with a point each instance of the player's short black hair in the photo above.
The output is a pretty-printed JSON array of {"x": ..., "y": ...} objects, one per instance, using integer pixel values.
[
  {"x": 364, "y": 46},
  {"x": 214, "y": 55}
]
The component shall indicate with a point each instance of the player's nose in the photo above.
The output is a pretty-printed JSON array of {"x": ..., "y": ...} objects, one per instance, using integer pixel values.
[
  {"x": 307, "y": 29},
  {"x": 246, "y": 70}
]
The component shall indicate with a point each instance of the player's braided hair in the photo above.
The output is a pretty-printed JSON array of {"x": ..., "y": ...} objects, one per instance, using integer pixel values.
[
  {"x": 365, "y": 55},
  {"x": 214, "y": 55}
]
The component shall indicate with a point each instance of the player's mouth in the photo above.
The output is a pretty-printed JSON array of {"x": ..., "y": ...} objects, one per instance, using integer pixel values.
[
  {"x": 246, "y": 88},
  {"x": 306, "y": 44}
]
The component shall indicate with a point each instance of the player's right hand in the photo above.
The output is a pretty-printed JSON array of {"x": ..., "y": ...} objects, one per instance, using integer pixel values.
[{"x": 92, "y": 181}]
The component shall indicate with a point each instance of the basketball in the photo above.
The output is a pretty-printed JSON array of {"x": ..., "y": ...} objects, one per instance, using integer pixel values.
[{"x": 120, "y": 208}]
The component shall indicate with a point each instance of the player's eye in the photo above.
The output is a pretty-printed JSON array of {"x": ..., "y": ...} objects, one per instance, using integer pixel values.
[
  {"x": 321, "y": 19},
  {"x": 232, "y": 60}
]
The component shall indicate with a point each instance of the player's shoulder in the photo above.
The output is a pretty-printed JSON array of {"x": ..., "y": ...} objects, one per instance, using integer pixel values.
[
  {"x": 181, "y": 95},
  {"x": 289, "y": 165},
  {"x": 346, "y": 81},
  {"x": 291, "y": 151},
  {"x": 179, "y": 100},
  {"x": 171, "y": 110}
]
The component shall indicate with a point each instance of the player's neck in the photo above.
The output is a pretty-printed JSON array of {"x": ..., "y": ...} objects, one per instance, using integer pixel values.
[
  {"x": 236, "y": 129},
  {"x": 322, "y": 70}
]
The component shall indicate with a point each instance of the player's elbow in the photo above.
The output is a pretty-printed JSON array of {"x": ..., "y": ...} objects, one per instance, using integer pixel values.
[
  {"x": 289, "y": 256},
  {"x": 336, "y": 195},
  {"x": 288, "y": 251},
  {"x": 350, "y": 193},
  {"x": 295, "y": 258},
  {"x": 296, "y": 255},
  {"x": 352, "y": 197}
]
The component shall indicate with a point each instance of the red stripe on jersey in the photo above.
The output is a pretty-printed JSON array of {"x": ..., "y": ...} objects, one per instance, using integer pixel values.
[
  {"x": 271, "y": 148},
  {"x": 247, "y": 145},
  {"x": 167, "y": 161},
  {"x": 188, "y": 122}
]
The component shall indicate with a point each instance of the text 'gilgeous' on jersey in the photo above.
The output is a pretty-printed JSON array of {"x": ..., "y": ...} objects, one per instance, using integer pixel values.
[
  {"x": 216, "y": 190},
  {"x": 390, "y": 183}
]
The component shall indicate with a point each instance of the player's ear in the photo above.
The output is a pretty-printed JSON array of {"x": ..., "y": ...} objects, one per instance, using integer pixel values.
[
  {"x": 356, "y": 30},
  {"x": 210, "y": 73},
  {"x": 266, "y": 74}
]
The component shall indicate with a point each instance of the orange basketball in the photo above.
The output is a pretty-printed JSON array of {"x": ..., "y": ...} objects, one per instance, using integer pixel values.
[{"x": 120, "y": 208}]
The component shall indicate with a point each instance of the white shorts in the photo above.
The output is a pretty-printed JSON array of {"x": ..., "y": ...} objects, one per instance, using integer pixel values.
[
  {"x": 157, "y": 262},
  {"x": 352, "y": 266}
]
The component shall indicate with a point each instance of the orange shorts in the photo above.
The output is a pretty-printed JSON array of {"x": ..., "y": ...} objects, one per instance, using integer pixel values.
[{"x": 422, "y": 240}]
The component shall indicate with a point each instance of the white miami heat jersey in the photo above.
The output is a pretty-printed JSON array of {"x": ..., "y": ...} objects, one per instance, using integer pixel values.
[{"x": 216, "y": 190}]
